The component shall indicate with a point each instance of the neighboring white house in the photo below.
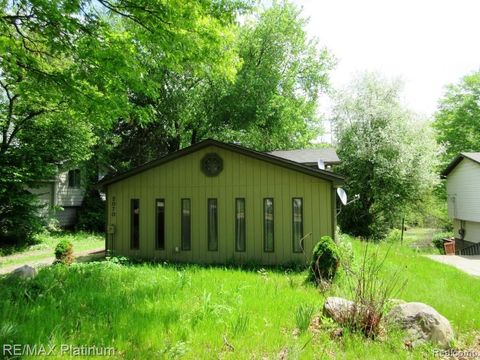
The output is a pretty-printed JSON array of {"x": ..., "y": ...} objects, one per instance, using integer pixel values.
[
  {"x": 62, "y": 196},
  {"x": 463, "y": 191}
]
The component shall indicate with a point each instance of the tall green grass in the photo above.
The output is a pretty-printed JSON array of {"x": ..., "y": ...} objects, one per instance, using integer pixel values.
[{"x": 150, "y": 311}]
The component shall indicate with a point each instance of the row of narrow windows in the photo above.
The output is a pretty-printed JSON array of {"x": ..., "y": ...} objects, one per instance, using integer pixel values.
[{"x": 212, "y": 224}]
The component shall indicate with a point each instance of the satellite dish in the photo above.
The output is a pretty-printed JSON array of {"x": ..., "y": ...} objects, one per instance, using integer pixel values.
[
  {"x": 321, "y": 164},
  {"x": 342, "y": 195}
]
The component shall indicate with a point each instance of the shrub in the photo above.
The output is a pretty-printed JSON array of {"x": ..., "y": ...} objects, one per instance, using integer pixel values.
[
  {"x": 64, "y": 252},
  {"x": 394, "y": 236},
  {"x": 345, "y": 250},
  {"x": 325, "y": 261},
  {"x": 437, "y": 240},
  {"x": 371, "y": 290},
  {"x": 20, "y": 217},
  {"x": 91, "y": 215}
]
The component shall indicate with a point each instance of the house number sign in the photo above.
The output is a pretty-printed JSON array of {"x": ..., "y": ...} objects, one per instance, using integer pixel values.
[{"x": 113, "y": 207}]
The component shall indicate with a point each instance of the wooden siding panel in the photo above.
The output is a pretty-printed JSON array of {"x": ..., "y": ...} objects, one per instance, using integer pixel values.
[{"x": 242, "y": 176}]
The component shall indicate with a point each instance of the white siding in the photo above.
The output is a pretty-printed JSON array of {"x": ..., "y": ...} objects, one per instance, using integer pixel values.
[
  {"x": 67, "y": 216},
  {"x": 67, "y": 196},
  {"x": 45, "y": 196},
  {"x": 472, "y": 230},
  {"x": 463, "y": 189}
]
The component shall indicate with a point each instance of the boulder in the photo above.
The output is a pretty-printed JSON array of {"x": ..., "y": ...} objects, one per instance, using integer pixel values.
[
  {"x": 25, "y": 272},
  {"x": 422, "y": 323},
  {"x": 338, "y": 309}
]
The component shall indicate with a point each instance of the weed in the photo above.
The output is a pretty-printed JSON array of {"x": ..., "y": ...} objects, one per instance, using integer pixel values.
[
  {"x": 239, "y": 324},
  {"x": 371, "y": 288},
  {"x": 303, "y": 316}
]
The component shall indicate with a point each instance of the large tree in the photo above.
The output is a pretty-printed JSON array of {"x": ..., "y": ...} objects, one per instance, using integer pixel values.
[
  {"x": 270, "y": 103},
  {"x": 457, "y": 120},
  {"x": 67, "y": 69},
  {"x": 388, "y": 156}
]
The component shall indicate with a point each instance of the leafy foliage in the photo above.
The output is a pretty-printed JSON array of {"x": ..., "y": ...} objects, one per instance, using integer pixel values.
[
  {"x": 457, "y": 120},
  {"x": 325, "y": 261},
  {"x": 388, "y": 156},
  {"x": 67, "y": 69},
  {"x": 64, "y": 252},
  {"x": 437, "y": 240},
  {"x": 19, "y": 219},
  {"x": 269, "y": 102}
]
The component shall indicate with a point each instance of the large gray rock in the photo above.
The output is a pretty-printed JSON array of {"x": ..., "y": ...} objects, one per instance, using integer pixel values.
[
  {"x": 338, "y": 309},
  {"x": 25, "y": 272},
  {"x": 422, "y": 323}
]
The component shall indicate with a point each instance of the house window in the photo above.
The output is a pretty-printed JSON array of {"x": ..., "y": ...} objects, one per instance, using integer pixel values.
[
  {"x": 160, "y": 224},
  {"x": 135, "y": 224},
  {"x": 212, "y": 225},
  {"x": 186, "y": 225},
  {"x": 268, "y": 239},
  {"x": 240, "y": 224},
  {"x": 74, "y": 178},
  {"x": 297, "y": 223}
]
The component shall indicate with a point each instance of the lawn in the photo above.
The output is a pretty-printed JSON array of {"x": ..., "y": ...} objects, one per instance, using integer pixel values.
[
  {"x": 45, "y": 244},
  {"x": 165, "y": 311}
]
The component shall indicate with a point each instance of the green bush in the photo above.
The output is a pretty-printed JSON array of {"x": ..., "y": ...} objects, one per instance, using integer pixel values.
[
  {"x": 91, "y": 215},
  {"x": 325, "y": 261},
  {"x": 437, "y": 240},
  {"x": 20, "y": 216},
  {"x": 394, "y": 236},
  {"x": 64, "y": 252}
]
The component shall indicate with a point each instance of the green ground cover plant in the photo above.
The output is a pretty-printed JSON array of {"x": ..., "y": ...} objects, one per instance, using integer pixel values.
[{"x": 147, "y": 310}]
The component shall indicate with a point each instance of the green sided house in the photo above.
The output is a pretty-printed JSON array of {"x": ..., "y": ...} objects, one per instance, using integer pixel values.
[{"x": 215, "y": 203}]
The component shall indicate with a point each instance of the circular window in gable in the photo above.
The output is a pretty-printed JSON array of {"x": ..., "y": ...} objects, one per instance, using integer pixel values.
[{"x": 212, "y": 164}]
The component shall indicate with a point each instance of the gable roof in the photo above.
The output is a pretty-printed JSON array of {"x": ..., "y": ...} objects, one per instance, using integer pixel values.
[
  {"x": 323, "y": 174},
  {"x": 309, "y": 156},
  {"x": 474, "y": 156}
]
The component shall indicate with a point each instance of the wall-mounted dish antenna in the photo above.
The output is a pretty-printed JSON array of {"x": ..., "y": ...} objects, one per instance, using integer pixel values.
[
  {"x": 342, "y": 195},
  {"x": 321, "y": 164},
  {"x": 343, "y": 198}
]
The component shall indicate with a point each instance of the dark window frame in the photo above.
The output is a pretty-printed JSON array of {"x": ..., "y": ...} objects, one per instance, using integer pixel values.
[
  {"x": 237, "y": 249},
  {"x": 134, "y": 243},
  {"x": 74, "y": 178},
  {"x": 159, "y": 246},
  {"x": 182, "y": 243},
  {"x": 293, "y": 223},
  {"x": 215, "y": 200},
  {"x": 265, "y": 225}
]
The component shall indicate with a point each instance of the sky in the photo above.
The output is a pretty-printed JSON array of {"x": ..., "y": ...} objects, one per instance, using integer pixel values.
[{"x": 428, "y": 44}]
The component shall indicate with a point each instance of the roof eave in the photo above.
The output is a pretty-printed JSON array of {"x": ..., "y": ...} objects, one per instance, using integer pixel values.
[
  {"x": 455, "y": 162},
  {"x": 326, "y": 175}
]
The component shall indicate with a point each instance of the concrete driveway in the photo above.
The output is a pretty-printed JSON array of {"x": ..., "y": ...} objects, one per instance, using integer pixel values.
[{"x": 468, "y": 264}]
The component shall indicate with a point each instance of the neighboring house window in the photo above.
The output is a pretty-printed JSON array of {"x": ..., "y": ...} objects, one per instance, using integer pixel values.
[
  {"x": 268, "y": 239},
  {"x": 212, "y": 225},
  {"x": 135, "y": 224},
  {"x": 297, "y": 223},
  {"x": 240, "y": 224},
  {"x": 160, "y": 224},
  {"x": 74, "y": 178},
  {"x": 186, "y": 224}
]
